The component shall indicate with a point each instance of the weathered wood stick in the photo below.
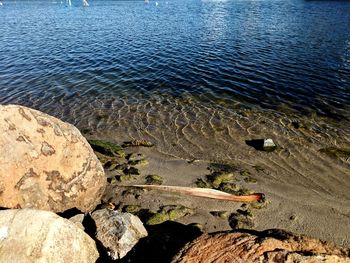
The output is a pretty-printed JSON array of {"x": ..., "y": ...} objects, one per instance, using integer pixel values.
[{"x": 205, "y": 192}]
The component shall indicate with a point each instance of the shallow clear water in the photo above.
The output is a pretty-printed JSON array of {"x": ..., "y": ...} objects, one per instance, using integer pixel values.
[{"x": 146, "y": 66}]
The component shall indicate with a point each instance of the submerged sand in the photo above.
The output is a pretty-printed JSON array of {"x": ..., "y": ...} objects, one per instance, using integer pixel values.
[{"x": 307, "y": 191}]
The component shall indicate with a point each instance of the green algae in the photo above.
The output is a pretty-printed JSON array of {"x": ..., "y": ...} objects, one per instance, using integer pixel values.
[
  {"x": 154, "y": 179},
  {"x": 132, "y": 209},
  {"x": 240, "y": 221},
  {"x": 217, "y": 178},
  {"x": 169, "y": 213},
  {"x": 202, "y": 184},
  {"x": 250, "y": 179},
  {"x": 107, "y": 148}
]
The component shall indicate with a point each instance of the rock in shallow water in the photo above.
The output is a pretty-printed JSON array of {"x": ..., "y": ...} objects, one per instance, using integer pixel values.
[
  {"x": 46, "y": 163},
  {"x": 29, "y": 235},
  {"x": 267, "y": 246},
  {"x": 118, "y": 232}
]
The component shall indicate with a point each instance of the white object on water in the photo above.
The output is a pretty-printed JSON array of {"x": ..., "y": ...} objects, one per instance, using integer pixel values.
[
  {"x": 69, "y": 3},
  {"x": 0, "y": 3},
  {"x": 156, "y": 3},
  {"x": 85, "y": 3},
  {"x": 146, "y": 1},
  {"x": 269, "y": 143}
]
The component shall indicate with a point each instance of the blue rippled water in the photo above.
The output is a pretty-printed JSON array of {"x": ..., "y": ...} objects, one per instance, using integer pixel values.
[{"x": 261, "y": 53}]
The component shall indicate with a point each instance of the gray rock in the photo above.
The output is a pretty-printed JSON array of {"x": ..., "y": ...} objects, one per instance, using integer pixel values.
[
  {"x": 118, "y": 232},
  {"x": 46, "y": 163},
  {"x": 29, "y": 235}
]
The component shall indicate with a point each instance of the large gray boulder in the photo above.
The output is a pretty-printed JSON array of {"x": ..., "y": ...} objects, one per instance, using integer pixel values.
[
  {"x": 46, "y": 163},
  {"x": 118, "y": 232},
  {"x": 29, "y": 235}
]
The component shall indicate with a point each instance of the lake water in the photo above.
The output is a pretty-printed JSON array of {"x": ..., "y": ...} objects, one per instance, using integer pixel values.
[{"x": 127, "y": 63}]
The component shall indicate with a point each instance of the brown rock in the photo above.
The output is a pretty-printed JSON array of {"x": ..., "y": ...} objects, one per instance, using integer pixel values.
[
  {"x": 46, "y": 163},
  {"x": 267, "y": 246},
  {"x": 29, "y": 235}
]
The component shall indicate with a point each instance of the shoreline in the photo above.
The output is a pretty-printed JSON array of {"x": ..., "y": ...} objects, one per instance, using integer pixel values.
[{"x": 312, "y": 202}]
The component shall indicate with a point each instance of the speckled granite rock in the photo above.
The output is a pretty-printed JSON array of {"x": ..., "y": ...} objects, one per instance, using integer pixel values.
[
  {"x": 118, "y": 232},
  {"x": 46, "y": 163},
  {"x": 29, "y": 235},
  {"x": 267, "y": 246}
]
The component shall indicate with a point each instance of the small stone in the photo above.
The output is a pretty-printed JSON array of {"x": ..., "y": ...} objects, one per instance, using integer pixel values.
[
  {"x": 220, "y": 214},
  {"x": 139, "y": 162},
  {"x": 266, "y": 145},
  {"x": 154, "y": 179},
  {"x": 118, "y": 232}
]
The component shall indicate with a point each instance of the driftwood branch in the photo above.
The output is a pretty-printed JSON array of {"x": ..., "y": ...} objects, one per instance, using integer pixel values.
[{"x": 205, "y": 192}]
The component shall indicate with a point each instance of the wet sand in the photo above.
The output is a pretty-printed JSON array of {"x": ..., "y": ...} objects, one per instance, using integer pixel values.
[{"x": 307, "y": 191}]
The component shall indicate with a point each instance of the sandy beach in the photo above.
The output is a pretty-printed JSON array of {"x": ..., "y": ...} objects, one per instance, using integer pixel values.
[{"x": 307, "y": 191}]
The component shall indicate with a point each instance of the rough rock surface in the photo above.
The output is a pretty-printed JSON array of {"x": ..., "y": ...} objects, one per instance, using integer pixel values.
[
  {"x": 29, "y": 235},
  {"x": 46, "y": 163},
  {"x": 267, "y": 246},
  {"x": 118, "y": 232}
]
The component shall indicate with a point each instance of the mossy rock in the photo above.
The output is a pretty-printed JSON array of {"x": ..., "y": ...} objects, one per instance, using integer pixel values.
[
  {"x": 125, "y": 178},
  {"x": 169, "y": 213},
  {"x": 245, "y": 212},
  {"x": 258, "y": 205},
  {"x": 138, "y": 162},
  {"x": 220, "y": 214},
  {"x": 239, "y": 221},
  {"x": 132, "y": 209},
  {"x": 135, "y": 143},
  {"x": 121, "y": 167},
  {"x": 131, "y": 171},
  {"x": 230, "y": 188},
  {"x": 202, "y": 184},
  {"x": 339, "y": 153},
  {"x": 154, "y": 179},
  {"x": 158, "y": 218},
  {"x": 178, "y": 212},
  {"x": 245, "y": 173},
  {"x": 134, "y": 156},
  {"x": 217, "y": 178},
  {"x": 107, "y": 148},
  {"x": 250, "y": 179},
  {"x": 223, "y": 167}
]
